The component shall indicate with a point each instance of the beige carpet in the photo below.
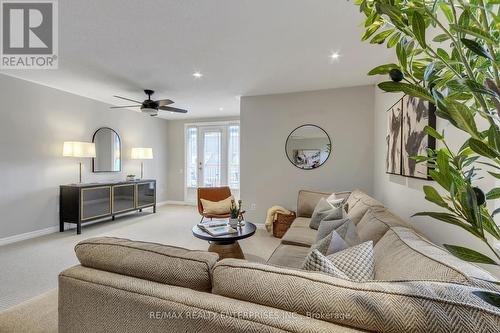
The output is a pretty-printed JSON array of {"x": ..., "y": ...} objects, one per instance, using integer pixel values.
[
  {"x": 29, "y": 269},
  {"x": 38, "y": 315}
]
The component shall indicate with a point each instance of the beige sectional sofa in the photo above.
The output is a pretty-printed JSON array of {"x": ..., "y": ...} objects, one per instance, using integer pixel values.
[{"x": 126, "y": 286}]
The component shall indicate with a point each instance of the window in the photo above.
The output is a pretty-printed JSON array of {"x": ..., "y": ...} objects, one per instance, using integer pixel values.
[{"x": 212, "y": 156}]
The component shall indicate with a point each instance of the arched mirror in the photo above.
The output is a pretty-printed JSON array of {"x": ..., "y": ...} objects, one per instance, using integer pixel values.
[
  {"x": 107, "y": 150},
  {"x": 308, "y": 147}
]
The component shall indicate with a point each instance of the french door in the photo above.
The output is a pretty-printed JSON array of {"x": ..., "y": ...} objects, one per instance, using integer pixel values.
[{"x": 212, "y": 157}]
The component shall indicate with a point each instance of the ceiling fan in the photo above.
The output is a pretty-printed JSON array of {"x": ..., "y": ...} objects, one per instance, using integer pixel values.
[{"x": 150, "y": 106}]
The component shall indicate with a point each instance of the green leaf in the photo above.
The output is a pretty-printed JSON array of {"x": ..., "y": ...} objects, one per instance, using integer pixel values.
[
  {"x": 476, "y": 48},
  {"x": 432, "y": 132},
  {"x": 382, "y": 69},
  {"x": 446, "y": 11},
  {"x": 494, "y": 137},
  {"x": 494, "y": 174},
  {"x": 478, "y": 88},
  {"x": 463, "y": 117},
  {"x": 401, "y": 54},
  {"x": 418, "y": 27},
  {"x": 473, "y": 31},
  {"x": 370, "y": 31},
  {"x": 433, "y": 196},
  {"x": 393, "y": 40},
  {"x": 483, "y": 149},
  {"x": 493, "y": 194},
  {"x": 488, "y": 297},
  {"x": 441, "y": 38},
  {"x": 381, "y": 37},
  {"x": 469, "y": 255},
  {"x": 407, "y": 88}
]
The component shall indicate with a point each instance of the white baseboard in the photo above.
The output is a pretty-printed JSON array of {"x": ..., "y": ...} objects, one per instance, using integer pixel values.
[
  {"x": 181, "y": 203},
  {"x": 28, "y": 235}
]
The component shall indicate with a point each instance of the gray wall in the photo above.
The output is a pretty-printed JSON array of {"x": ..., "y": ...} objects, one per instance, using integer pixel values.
[
  {"x": 268, "y": 178},
  {"x": 35, "y": 120},
  {"x": 176, "y": 155},
  {"x": 405, "y": 196}
]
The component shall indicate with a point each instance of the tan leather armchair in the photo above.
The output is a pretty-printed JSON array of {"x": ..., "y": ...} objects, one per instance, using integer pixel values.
[{"x": 213, "y": 194}]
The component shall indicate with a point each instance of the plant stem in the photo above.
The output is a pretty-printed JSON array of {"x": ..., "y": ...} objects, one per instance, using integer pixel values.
[{"x": 486, "y": 26}]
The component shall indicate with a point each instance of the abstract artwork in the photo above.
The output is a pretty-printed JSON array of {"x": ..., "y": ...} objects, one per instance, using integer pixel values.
[
  {"x": 393, "y": 139},
  {"x": 406, "y": 138},
  {"x": 417, "y": 114}
]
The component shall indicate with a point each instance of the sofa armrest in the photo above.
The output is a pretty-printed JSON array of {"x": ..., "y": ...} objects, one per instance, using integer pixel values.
[
  {"x": 307, "y": 201},
  {"x": 92, "y": 300}
]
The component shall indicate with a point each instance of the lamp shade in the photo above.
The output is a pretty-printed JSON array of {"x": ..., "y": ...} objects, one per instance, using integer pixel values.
[
  {"x": 78, "y": 149},
  {"x": 142, "y": 154}
]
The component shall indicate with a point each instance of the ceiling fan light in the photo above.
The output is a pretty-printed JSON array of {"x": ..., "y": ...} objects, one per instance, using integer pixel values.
[{"x": 150, "y": 111}]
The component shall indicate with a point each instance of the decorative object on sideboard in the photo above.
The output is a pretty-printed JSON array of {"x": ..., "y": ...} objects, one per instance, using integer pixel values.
[
  {"x": 108, "y": 151},
  {"x": 79, "y": 150},
  {"x": 142, "y": 154},
  {"x": 130, "y": 178},
  {"x": 308, "y": 147},
  {"x": 406, "y": 136}
]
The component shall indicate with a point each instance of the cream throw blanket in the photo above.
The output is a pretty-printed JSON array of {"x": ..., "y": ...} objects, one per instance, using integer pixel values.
[{"x": 272, "y": 215}]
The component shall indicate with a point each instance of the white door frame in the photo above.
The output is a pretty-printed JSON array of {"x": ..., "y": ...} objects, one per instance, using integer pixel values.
[{"x": 224, "y": 125}]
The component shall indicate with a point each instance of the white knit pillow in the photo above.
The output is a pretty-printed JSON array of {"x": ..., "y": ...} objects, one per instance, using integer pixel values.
[{"x": 317, "y": 262}]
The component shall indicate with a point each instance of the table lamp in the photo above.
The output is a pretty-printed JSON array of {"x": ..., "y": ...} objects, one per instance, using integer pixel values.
[
  {"x": 80, "y": 150},
  {"x": 142, "y": 154}
]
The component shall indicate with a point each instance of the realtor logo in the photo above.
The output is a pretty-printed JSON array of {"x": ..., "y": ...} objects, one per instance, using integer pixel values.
[{"x": 29, "y": 34}]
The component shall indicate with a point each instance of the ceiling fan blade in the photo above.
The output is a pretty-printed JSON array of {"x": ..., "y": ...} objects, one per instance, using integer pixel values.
[
  {"x": 171, "y": 109},
  {"x": 127, "y": 99},
  {"x": 163, "y": 102},
  {"x": 126, "y": 106}
]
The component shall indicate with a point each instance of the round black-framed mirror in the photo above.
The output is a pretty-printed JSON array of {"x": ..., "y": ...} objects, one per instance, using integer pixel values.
[
  {"x": 308, "y": 147},
  {"x": 108, "y": 149}
]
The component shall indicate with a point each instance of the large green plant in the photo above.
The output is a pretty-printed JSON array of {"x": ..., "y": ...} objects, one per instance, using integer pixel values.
[{"x": 457, "y": 70}]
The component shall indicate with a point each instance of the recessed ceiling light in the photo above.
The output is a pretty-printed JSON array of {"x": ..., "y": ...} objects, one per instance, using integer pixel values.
[
  {"x": 221, "y": 109},
  {"x": 197, "y": 75},
  {"x": 335, "y": 56}
]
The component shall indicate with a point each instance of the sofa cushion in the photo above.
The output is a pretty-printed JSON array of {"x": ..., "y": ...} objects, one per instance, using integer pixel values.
[
  {"x": 404, "y": 255},
  {"x": 301, "y": 222},
  {"x": 289, "y": 256},
  {"x": 356, "y": 262},
  {"x": 155, "y": 262},
  {"x": 375, "y": 224},
  {"x": 343, "y": 237},
  {"x": 307, "y": 201},
  {"x": 420, "y": 306},
  {"x": 358, "y": 203},
  {"x": 299, "y": 236}
]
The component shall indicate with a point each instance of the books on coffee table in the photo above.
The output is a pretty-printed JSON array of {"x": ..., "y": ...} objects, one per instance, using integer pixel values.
[{"x": 217, "y": 228}]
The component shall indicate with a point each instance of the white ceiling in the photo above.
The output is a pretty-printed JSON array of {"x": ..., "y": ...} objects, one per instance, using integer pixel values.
[{"x": 242, "y": 47}]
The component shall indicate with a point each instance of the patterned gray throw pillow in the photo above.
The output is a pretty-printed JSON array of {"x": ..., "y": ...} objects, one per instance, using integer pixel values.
[
  {"x": 317, "y": 262},
  {"x": 355, "y": 263},
  {"x": 323, "y": 210}
]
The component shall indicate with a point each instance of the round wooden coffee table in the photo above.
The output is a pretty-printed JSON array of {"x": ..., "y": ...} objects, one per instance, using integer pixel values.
[{"x": 227, "y": 246}]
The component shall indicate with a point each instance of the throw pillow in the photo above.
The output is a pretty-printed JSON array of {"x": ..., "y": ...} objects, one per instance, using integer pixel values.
[
  {"x": 343, "y": 237},
  {"x": 327, "y": 226},
  {"x": 356, "y": 262},
  {"x": 217, "y": 207},
  {"x": 317, "y": 262},
  {"x": 322, "y": 210}
]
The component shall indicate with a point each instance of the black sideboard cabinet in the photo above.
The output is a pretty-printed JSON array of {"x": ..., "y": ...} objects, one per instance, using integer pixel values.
[{"x": 80, "y": 203}]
